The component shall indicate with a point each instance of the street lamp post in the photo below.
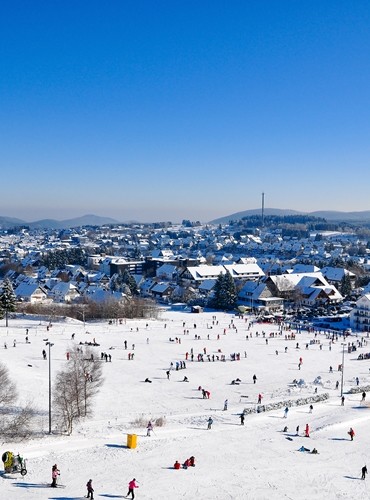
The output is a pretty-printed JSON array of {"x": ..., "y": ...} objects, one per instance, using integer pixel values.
[
  {"x": 341, "y": 385},
  {"x": 50, "y": 346}
]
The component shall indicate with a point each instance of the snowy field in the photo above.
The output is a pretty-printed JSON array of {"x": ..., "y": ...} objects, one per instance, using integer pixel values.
[{"x": 254, "y": 461}]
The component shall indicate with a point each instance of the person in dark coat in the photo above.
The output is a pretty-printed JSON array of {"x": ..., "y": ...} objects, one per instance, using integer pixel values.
[
  {"x": 363, "y": 472},
  {"x": 90, "y": 489}
]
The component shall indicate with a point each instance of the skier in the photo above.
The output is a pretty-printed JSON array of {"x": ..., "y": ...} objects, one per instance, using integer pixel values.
[
  {"x": 90, "y": 489},
  {"x": 210, "y": 422},
  {"x": 259, "y": 399},
  {"x": 363, "y": 397},
  {"x": 131, "y": 487},
  {"x": 351, "y": 433},
  {"x": 54, "y": 475},
  {"x": 363, "y": 472},
  {"x": 225, "y": 404},
  {"x": 286, "y": 411},
  {"x": 44, "y": 354},
  {"x": 311, "y": 408},
  {"x": 177, "y": 465},
  {"x": 242, "y": 419},
  {"x": 254, "y": 379},
  {"x": 342, "y": 401}
]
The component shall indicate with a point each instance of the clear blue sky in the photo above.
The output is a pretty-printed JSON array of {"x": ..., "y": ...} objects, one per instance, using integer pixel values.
[{"x": 164, "y": 110}]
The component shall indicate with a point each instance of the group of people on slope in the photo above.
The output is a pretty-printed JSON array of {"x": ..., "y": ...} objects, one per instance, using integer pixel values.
[{"x": 189, "y": 462}]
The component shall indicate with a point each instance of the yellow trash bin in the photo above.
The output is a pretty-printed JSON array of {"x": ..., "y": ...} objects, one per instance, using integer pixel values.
[{"x": 131, "y": 441}]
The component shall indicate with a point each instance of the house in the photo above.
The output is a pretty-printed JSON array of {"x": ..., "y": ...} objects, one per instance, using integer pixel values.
[
  {"x": 167, "y": 272},
  {"x": 308, "y": 288},
  {"x": 162, "y": 291},
  {"x": 335, "y": 275},
  {"x": 245, "y": 271},
  {"x": 258, "y": 295},
  {"x": 360, "y": 314},
  {"x": 64, "y": 292},
  {"x": 197, "y": 274},
  {"x": 30, "y": 292}
]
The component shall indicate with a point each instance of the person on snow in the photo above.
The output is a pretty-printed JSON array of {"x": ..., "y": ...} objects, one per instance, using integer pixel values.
[
  {"x": 176, "y": 465},
  {"x": 311, "y": 408},
  {"x": 186, "y": 464},
  {"x": 286, "y": 411},
  {"x": 254, "y": 379},
  {"x": 363, "y": 472},
  {"x": 342, "y": 401},
  {"x": 259, "y": 399},
  {"x": 210, "y": 422},
  {"x": 90, "y": 489},
  {"x": 363, "y": 397},
  {"x": 192, "y": 461},
  {"x": 225, "y": 404},
  {"x": 351, "y": 433},
  {"x": 54, "y": 475},
  {"x": 307, "y": 431},
  {"x": 242, "y": 419},
  {"x": 131, "y": 488},
  {"x": 149, "y": 428}
]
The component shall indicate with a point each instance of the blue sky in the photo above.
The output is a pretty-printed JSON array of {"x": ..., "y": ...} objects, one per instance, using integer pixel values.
[{"x": 165, "y": 110}]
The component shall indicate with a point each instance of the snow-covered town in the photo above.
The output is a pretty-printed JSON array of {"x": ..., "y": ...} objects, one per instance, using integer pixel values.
[{"x": 320, "y": 276}]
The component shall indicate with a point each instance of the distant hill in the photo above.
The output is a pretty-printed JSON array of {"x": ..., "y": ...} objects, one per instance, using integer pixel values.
[
  {"x": 325, "y": 214},
  {"x": 85, "y": 220},
  {"x": 345, "y": 216},
  {"x": 256, "y": 211},
  {"x": 7, "y": 222}
]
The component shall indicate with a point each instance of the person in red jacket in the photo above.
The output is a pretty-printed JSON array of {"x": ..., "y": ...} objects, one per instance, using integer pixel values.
[
  {"x": 131, "y": 488},
  {"x": 307, "y": 431},
  {"x": 176, "y": 465},
  {"x": 351, "y": 433}
]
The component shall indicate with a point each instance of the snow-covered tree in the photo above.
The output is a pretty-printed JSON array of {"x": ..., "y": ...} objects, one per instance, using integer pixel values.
[
  {"x": 225, "y": 292},
  {"x": 7, "y": 300}
]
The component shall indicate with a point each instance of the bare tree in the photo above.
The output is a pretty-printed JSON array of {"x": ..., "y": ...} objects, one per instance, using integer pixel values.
[
  {"x": 76, "y": 387},
  {"x": 15, "y": 422},
  {"x": 8, "y": 390}
]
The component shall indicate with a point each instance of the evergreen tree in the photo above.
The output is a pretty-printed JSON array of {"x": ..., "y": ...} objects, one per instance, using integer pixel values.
[
  {"x": 7, "y": 300},
  {"x": 129, "y": 280},
  {"x": 345, "y": 285},
  {"x": 225, "y": 292},
  {"x": 124, "y": 282}
]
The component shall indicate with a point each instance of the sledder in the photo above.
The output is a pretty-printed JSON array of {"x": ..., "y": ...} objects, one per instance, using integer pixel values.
[{"x": 14, "y": 463}]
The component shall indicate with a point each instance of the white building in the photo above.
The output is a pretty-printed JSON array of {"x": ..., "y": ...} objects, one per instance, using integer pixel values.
[{"x": 360, "y": 314}]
